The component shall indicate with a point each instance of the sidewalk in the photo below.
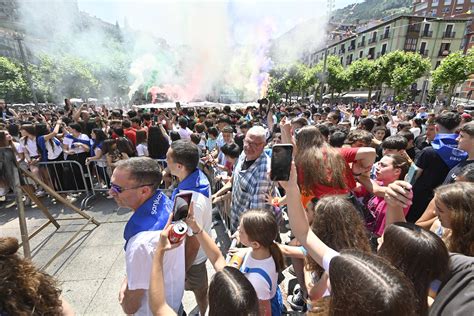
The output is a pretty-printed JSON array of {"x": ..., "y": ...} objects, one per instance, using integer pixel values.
[{"x": 92, "y": 268}]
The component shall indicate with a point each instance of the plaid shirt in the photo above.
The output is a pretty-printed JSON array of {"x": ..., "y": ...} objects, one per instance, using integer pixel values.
[{"x": 249, "y": 187}]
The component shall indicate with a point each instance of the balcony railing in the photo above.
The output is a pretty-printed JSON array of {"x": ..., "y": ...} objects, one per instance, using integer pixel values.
[
  {"x": 385, "y": 36},
  {"x": 449, "y": 34},
  {"x": 424, "y": 53},
  {"x": 342, "y": 51},
  {"x": 427, "y": 34},
  {"x": 350, "y": 48},
  {"x": 413, "y": 28},
  {"x": 361, "y": 44},
  {"x": 372, "y": 40}
]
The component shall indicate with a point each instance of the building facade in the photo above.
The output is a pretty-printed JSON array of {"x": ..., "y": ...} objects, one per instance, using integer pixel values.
[
  {"x": 452, "y": 9},
  {"x": 431, "y": 37}
]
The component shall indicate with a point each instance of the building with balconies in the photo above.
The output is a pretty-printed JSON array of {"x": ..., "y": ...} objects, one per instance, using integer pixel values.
[
  {"x": 431, "y": 37},
  {"x": 450, "y": 9}
]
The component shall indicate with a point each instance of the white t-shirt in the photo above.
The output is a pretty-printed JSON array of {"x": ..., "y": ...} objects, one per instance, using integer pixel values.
[
  {"x": 139, "y": 261},
  {"x": 184, "y": 133},
  {"x": 203, "y": 216},
  {"x": 53, "y": 151},
  {"x": 30, "y": 147},
  {"x": 142, "y": 150},
  {"x": 77, "y": 149},
  {"x": 258, "y": 281}
]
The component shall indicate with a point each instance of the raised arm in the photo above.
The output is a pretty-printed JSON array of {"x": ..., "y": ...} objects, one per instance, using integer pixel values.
[
  {"x": 298, "y": 221},
  {"x": 210, "y": 248},
  {"x": 54, "y": 132}
]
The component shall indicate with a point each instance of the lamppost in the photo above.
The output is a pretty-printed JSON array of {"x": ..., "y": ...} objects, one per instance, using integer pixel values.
[
  {"x": 323, "y": 76},
  {"x": 19, "y": 39}
]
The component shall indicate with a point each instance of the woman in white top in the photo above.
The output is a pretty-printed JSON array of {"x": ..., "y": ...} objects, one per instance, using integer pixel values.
[
  {"x": 29, "y": 149},
  {"x": 142, "y": 146}
]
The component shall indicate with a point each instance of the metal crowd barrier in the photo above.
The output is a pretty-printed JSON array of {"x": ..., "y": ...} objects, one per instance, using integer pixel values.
[{"x": 67, "y": 176}]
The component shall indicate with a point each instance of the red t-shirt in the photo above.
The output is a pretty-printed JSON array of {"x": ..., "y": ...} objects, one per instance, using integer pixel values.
[
  {"x": 131, "y": 134},
  {"x": 320, "y": 190}
]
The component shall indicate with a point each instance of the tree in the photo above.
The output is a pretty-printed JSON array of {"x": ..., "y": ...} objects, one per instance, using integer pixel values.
[
  {"x": 400, "y": 69},
  {"x": 453, "y": 70},
  {"x": 337, "y": 78},
  {"x": 13, "y": 85},
  {"x": 364, "y": 73}
]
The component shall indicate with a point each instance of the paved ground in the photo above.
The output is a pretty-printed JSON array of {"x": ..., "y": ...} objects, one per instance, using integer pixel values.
[{"x": 92, "y": 268}]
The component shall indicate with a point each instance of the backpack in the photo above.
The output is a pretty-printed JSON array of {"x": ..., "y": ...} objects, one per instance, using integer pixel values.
[{"x": 277, "y": 300}]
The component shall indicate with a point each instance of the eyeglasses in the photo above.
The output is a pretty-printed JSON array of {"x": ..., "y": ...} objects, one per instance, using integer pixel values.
[
  {"x": 253, "y": 145},
  {"x": 118, "y": 189}
]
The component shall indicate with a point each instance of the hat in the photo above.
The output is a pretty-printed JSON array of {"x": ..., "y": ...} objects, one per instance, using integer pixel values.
[{"x": 466, "y": 116}]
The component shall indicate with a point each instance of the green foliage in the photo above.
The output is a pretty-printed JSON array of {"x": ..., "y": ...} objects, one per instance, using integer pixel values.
[
  {"x": 400, "y": 69},
  {"x": 337, "y": 78},
  {"x": 453, "y": 70},
  {"x": 13, "y": 85},
  {"x": 364, "y": 73}
]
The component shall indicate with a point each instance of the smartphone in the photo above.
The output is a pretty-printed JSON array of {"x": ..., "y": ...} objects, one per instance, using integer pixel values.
[
  {"x": 411, "y": 174},
  {"x": 181, "y": 206},
  {"x": 281, "y": 162}
]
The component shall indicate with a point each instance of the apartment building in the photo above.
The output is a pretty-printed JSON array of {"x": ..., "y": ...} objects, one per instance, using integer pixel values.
[{"x": 431, "y": 37}]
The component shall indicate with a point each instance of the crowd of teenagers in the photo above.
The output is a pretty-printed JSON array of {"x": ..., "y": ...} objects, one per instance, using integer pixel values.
[{"x": 379, "y": 200}]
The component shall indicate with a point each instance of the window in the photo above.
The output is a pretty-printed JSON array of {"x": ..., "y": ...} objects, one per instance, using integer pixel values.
[
  {"x": 361, "y": 54},
  {"x": 410, "y": 44},
  {"x": 447, "y": 2},
  {"x": 384, "y": 49},
  {"x": 435, "y": 3},
  {"x": 460, "y": 1}
]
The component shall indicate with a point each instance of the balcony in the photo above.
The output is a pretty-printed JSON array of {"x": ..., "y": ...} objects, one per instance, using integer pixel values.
[
  {"x": 427, "y": 34},
  {"x": 424, "y": 53},
  {"x": 444, "y": 53},
  {"x": 413, "y": 28},
  {"x": 361, "y": 44},
  {"x": 449, "y": 34},
  {"x": 342, "y": 51},
  {"x": 385, "y": 36},
  {"x": 350, "y": 48},
  {"x": 372, "y": 40}
]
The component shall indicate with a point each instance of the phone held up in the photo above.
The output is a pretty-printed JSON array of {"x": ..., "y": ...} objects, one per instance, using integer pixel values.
[
  {"x": 281, "y": 162},
  {"x": 181, "y": 205}
]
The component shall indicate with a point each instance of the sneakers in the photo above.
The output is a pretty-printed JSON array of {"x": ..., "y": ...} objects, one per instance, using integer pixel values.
[
  {"x": 297, "y": 301},
  {"x": 40, "y": 193}
]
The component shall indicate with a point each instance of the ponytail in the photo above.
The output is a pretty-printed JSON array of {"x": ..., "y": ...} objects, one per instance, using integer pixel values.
[{"x": 277, "y": 255}]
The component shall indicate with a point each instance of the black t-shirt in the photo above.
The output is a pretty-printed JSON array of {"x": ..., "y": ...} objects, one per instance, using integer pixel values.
[
  {"x": 247, "y": 164},
  {"x": 453, "y": 173},
  {"x": 87, "y": 127},
  {"x": 433, "y": 175}
]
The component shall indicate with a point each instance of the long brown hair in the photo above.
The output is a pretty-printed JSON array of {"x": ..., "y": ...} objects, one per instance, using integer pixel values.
[
  {"x": 421, "y": 255},
  {"x": 261, "y": 226},
  {"x": 365, "y": 284},
  {"x": 338, "y": 224},
  {"x": 459, "y": 199},
  {"x": 320, "y": 163},
  {"x": 25, "y": 290}
]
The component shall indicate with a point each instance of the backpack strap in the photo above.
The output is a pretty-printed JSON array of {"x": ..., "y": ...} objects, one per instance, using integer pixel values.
[{"x": 262, "y": 273}]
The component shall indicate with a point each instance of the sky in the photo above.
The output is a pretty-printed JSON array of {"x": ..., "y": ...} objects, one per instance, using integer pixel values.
[{"x": 170, "y": 19}]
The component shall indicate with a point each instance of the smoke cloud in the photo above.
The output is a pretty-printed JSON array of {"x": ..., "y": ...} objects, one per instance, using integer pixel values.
[{"x": 220, "y": 49}]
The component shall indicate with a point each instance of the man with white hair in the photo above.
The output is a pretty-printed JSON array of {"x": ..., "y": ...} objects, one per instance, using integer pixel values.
[{"x": 250, "y": 179}]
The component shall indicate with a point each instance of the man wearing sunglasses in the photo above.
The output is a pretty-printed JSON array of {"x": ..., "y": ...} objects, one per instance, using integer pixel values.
[{"x": 134, "y": 185}]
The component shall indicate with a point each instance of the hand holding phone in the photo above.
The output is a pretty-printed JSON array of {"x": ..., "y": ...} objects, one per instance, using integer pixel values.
[
  {"x": 181, "y": 205},
  {"x": 281, "y": 162}
]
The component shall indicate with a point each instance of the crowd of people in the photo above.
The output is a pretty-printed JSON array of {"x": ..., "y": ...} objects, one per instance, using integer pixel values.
[{"x": 380, "y": 204}]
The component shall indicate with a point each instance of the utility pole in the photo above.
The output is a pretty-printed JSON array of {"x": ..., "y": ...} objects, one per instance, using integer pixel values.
[
  {"x": 323, "y": 76},
  {"x": 19, "y": 39}
]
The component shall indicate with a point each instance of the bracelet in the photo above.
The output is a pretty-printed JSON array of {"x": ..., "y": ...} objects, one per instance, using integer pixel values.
[{"x": 200, "y": 231}]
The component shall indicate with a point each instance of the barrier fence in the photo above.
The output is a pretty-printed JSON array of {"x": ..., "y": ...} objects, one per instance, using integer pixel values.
[{"x": 68, "y": 177}]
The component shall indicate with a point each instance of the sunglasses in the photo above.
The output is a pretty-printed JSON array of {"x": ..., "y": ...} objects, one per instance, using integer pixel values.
[{"x": 118, "y": 189}]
